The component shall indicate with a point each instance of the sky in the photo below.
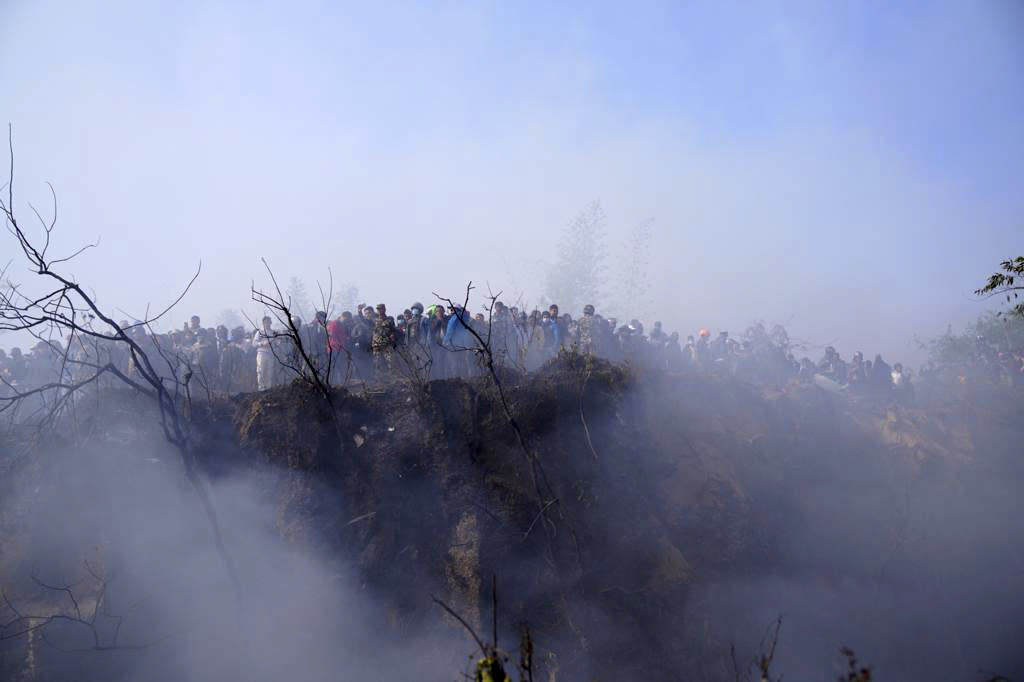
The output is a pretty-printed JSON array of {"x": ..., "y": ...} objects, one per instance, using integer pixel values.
[{"x": 849, "y": 169}]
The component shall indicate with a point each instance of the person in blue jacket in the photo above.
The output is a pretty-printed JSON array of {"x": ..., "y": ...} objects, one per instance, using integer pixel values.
[
  {"x": 457, "y": 336},
  {"x": 460, "y": 340}
]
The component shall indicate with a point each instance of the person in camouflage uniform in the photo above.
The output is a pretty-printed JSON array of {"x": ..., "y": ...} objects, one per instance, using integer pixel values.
[
  {"x": 587, "y": 332},
  {"x": 385, "y": 339}
]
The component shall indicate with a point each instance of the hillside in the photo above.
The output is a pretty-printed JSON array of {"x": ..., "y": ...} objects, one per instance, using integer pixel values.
[{"x": 643, "y": 525}]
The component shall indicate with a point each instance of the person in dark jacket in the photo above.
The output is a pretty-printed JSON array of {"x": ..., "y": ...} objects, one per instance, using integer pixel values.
[
  {"x": 881, "y": 375},
  {"x": 360, "y": 339}
]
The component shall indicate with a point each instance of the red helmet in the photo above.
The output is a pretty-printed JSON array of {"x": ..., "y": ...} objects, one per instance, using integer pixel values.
[{"x": 703, "y": 332}]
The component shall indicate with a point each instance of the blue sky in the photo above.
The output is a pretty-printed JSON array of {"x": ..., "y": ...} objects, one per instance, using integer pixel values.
[{"x": 853, "y": 169}]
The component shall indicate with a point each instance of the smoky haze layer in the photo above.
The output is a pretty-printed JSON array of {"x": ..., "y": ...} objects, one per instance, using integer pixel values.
[
  {"x": 917, "y": 581},
  {"x": 702, "y": 508},
  {"x": 130, "y": 515}
]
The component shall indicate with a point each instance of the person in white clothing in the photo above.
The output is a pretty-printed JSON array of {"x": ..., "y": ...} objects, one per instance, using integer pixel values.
[{"x": 265, "y": 360}]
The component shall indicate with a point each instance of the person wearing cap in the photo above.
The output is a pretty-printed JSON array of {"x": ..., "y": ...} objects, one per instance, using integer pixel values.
[
  {"x": 385, "y": 339},
  {"x": 417, "y": 331},
  {"x": 586, "y": 331}
]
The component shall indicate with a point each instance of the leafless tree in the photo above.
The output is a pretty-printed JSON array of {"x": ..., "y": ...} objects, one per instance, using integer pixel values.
[
  {"x": 762, "y": 663},
  {"x": 491, "y": 665},
  {"x": 292, "y": 350},
  {"x": 545, "y": 496},
  {"x": 100, "y": 626},
  {"x": 61, "y": 308}
]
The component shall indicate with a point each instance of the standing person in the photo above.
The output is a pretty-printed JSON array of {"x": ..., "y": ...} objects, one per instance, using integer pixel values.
[
  {"x": 672, "y": 354},
  {"x": 658, "y": 336},
  {"x": 360, "y": 341},
  {"x": 436, "y": 325},
  {"x": 535, "y": 341},
  {"x": 415, "y": 329},
  {"x": 587, "y": 332},
  {"x": 229, "y": 358},
  {"x": 901, "y": 383},
  {"x": 558, "y": 330},
  {"x": 522, "y": 337},
  {"x": 501, "y": 331},
  {"x": 550, "y": 334},
  {"x": 293, "y": 355},
  {"x": 206, "y": 359},
  {"x": 459, "y": 340},
  {"x": 881, "y": 374},
  {"x": 703, "y": 349},
  {"x": 415, "y": 339},
  {"x": 690, "y": 352},
  {"x": 720, "y": 348},
  {"x": 337, "y": 351},
  {"x": 385, "y": 339},
  {"x": 315, "y": 341},
  {"x": 855, "y": 374},
  {"x": 266, "y": 363}
]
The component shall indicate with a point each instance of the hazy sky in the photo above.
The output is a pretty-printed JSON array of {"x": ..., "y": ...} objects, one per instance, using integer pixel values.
[{"x": 853, "y": 172}]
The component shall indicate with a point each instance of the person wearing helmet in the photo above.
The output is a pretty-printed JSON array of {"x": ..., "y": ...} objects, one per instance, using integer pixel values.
[
  {"x": 416, "y": 331},
  {"x": 415, "y": 328}
]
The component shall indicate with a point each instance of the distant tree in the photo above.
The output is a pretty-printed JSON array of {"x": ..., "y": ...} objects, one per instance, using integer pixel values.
[
  {"x": 299, "y": 301},
  {"x": 990, "y": 333},
  {"x": 230, "y": 318},
  {"x": 578, "y": 276},
  {"x": 346, "y": 298},
  {"x": 633, "y": 282},
  {"x": 1008, "y": 281}
]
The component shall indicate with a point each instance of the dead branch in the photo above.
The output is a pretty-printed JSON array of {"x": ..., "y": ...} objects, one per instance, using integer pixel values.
[
  {"x": 462, "y": 621},
  {"x": 67, "y": 308},
  {"x": 540, "y": 482},
  {"x": 280, "y": 306},
  {"x": 104, "y": 634}
]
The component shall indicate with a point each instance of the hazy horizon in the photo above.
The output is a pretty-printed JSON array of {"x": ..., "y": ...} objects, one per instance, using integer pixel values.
[{"x": 848, "y": 173}]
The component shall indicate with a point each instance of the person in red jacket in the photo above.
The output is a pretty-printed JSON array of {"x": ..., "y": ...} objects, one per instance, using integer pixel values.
[{"x": 337, "y": 349}]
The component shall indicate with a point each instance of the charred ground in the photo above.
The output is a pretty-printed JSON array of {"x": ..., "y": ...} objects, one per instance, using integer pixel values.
[{"x": 673, "y": 516}]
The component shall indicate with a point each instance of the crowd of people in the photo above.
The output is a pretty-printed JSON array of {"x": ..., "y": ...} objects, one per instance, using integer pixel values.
[{"x": 369, "y": 345}]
